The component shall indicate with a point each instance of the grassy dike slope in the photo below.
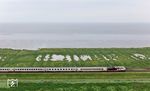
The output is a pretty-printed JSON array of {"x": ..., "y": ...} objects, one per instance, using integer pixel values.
[{"x": 123, "y": 56}]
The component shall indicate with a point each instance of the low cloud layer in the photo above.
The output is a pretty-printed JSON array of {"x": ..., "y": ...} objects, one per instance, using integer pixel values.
[{"x": 74, "y": 11}]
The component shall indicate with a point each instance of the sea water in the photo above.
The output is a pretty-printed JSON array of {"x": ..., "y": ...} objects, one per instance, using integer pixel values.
[{"x": 74, "y": 35}]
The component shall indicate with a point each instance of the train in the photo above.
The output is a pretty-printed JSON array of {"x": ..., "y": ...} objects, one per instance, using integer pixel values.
[{"x": 63, "y": 69}]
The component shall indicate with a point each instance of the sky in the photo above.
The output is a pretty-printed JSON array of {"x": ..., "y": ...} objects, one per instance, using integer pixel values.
[{"x": 112, "y": 11}]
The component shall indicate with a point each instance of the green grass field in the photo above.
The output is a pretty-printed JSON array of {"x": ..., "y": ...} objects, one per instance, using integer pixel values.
[
  {"x": 129, "y": 81},
  {"x": 48, "y": 86},
  {"x": 116, "y": 56},
  {"x": 80, "y": 81}
]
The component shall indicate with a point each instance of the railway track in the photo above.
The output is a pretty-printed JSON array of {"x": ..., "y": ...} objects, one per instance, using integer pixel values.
[{"x": 138, "y": 69}]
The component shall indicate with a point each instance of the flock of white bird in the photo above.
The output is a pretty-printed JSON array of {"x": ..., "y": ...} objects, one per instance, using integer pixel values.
[
  {"x": 58, "y": 57},
  {"x": 2, "y": 58}
]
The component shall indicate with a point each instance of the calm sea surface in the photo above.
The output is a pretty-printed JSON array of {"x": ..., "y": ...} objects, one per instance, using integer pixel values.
[{"x": 89, "y": 35}]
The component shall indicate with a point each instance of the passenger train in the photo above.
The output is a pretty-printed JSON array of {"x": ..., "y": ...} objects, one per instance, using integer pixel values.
[{"x": 63, "y": 69}]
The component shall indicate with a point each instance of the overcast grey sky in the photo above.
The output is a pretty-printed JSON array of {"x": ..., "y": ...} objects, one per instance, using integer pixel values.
[{"x": 74, "y": 11}]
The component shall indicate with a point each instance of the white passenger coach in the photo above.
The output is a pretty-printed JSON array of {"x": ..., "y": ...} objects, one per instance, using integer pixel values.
[{"x": 63, "y": 69}]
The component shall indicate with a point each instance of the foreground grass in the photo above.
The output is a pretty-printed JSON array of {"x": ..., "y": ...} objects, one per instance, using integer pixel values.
[
  {"x": 48, "y": 86},
  {"x": 81, "y": 81}
]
